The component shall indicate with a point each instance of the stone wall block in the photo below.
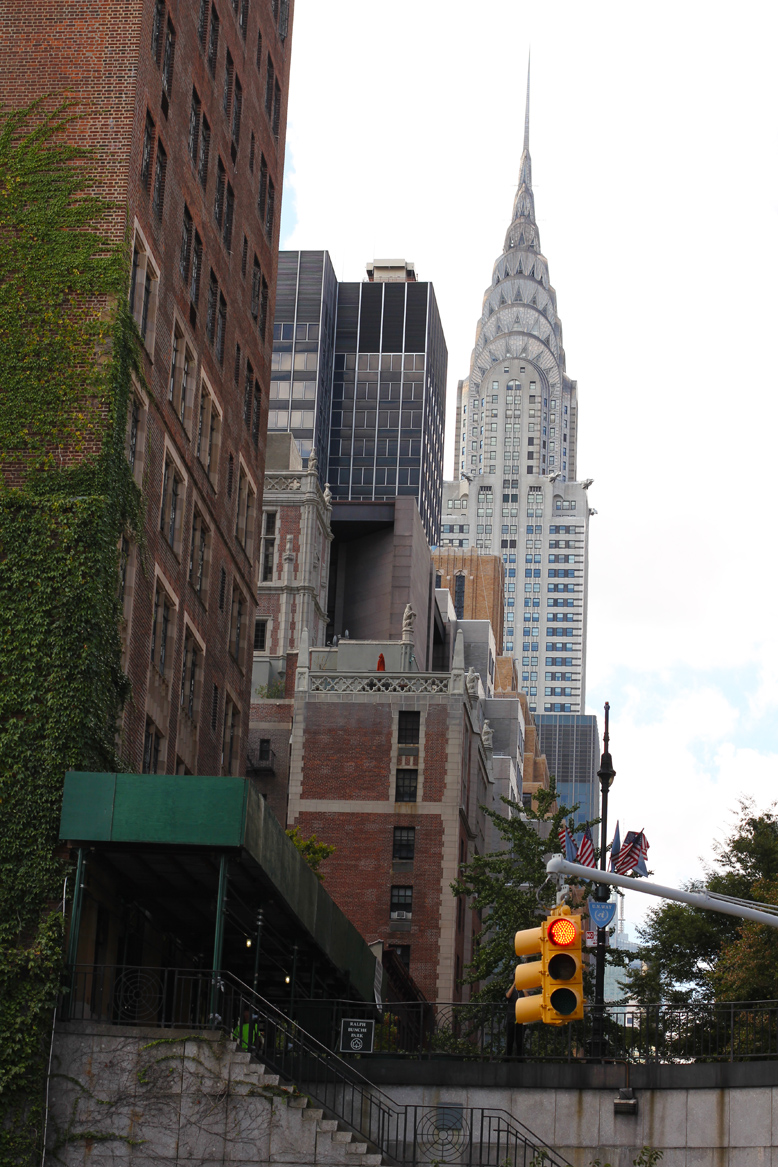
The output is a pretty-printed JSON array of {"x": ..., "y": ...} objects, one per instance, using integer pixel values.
[
  {"x": 707, "y": 1120},
  {"x": 750, "y": 1117}
]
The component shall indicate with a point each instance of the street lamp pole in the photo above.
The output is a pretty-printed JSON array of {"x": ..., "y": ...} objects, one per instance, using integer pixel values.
[{"x": 606, "y": 774}]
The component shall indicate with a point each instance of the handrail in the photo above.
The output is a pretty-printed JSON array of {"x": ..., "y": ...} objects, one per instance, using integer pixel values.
[{"x": 408, "y": 1135}]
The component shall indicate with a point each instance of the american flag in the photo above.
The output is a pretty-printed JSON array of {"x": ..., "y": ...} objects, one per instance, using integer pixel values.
[
  {"x": 586, "y": 850},
  {"x": 568, "y": 844},
  {"x": 632, "y": 854}
]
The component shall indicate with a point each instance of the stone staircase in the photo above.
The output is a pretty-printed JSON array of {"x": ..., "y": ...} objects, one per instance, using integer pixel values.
[
  {"x": 146, "y": 1096},
  {"x": 326, "y": 1140}
]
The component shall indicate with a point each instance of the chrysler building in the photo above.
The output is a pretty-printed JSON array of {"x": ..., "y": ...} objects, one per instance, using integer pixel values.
[{"x": 516, "y": 491}]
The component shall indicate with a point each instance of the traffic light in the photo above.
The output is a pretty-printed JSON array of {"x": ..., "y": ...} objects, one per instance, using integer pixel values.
[{"x": 558, "y": 973}]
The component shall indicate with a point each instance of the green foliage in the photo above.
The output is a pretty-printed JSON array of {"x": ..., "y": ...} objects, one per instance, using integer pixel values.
[
  {"x": 273, "y": 690},
  {"x": 313, "y": 852},
  {"x": 504, "y": 886},
  {"x": 694, "y": 955},
  {"x": 67, "y": 349}
]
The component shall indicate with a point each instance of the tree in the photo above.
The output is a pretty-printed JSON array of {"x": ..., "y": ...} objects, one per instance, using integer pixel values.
[
  {"x": 313, "y": 852},
  {"x": 693, "y": 955},
  {"x": 504, "y": 886}
]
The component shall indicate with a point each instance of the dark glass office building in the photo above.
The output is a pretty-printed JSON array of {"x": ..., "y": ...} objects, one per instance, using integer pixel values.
[
  {"x": 359, "y": 370},
  {"x": 303, "y": 335},
  {"x": 571, "y": 743}
]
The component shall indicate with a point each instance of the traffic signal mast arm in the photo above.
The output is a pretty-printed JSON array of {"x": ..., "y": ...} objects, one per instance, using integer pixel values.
[{"x": 710, "y": 901}]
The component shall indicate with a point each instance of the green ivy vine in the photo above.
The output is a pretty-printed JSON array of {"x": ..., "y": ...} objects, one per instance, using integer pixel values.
[{"x": 68, "y": 347}]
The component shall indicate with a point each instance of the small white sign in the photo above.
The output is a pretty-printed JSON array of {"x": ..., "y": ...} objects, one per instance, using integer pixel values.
[{"x": 591, "y": 938}]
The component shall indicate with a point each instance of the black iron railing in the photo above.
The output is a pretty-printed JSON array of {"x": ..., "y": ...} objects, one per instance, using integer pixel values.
[
  {"x": 408, "y": 1135},
  {"x": 731, "y": 1031}
]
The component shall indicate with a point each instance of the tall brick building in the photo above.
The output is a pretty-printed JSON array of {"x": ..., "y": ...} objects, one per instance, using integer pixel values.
[
  {"x": 184, "y": 105},
  {"x": 476, "y": 584}
]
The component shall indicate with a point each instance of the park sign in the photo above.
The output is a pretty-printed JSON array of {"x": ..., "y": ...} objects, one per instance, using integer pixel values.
[{"x": 356, "y": 1036}]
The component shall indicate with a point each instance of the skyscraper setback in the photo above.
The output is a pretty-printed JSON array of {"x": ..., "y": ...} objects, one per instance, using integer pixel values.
[{"x": 516, "y": 491}]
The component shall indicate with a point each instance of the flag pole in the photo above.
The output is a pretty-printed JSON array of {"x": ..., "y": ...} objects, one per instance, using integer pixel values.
[{"x": 606, "y": 774}]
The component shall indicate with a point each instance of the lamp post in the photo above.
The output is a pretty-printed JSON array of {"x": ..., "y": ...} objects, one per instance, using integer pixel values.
[{"x": 606, "y": 774}]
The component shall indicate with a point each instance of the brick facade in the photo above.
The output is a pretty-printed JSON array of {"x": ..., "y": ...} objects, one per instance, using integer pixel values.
[
  {"x": 126, "y": 78},
  {"x": 484, "y": 588},
  {"x": 345, "y": 756}
]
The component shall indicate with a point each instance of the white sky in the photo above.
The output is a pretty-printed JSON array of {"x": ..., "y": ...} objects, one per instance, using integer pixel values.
[{"x": 653, "y": 140}]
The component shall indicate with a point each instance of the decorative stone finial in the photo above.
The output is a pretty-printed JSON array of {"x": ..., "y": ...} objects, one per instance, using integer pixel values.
[
  {"x": 471, "y": 681},
  {"x": 487, "y": 736},
  {"x": 409, "y": 617},
  {"x": 327, "y": 495},
  {"x": 313, "y": 462}
]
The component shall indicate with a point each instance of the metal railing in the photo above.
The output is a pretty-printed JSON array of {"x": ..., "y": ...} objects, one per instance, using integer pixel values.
[
  {"x": 408, "y": 683},
  {"x": 731, "y": 1031},
  {"x": 448, "y": 1133}
]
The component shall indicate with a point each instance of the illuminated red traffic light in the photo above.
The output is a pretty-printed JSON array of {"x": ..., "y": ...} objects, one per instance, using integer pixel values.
[{"x": 561, "y": 932}]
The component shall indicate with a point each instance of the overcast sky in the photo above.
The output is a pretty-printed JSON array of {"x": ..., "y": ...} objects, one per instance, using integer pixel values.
[{"x": 653, "y": 141}]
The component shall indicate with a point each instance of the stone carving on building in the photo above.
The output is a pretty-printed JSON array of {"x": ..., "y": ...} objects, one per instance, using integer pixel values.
[
  {"x": 327, "y": 495},
  {"x": 487, "y": 736},
  {"x": 409, "y": 618},
  {"x": 471, "y": 681},
  {"x": 313, "y": 462}
]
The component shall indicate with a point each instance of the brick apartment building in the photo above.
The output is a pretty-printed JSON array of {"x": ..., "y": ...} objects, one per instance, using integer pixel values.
[
  {"x": 476, "y": 584},
  {"x": 184, "y": 105}
]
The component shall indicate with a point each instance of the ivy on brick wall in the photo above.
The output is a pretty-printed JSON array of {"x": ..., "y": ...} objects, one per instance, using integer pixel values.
[{"x": 68, "y": 346}]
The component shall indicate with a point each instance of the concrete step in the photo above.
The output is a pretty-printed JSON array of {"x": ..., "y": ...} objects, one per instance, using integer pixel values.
[
  {"x": 372, "y": 1160},
  {"x": 343, "y": 1137},
  {"x": 297, "y": 1102},
  {"x": 313, "y": 1114},
  {"x": 268, "y": 1079},
  {"x": 328, "y": 1124},
  {"x": 356, "y": 1148}
]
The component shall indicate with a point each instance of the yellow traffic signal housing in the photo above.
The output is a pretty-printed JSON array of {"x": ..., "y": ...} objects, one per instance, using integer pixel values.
[{"x": 558, "y": 973}]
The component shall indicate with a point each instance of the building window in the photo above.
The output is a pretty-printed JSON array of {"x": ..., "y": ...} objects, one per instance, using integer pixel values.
[
  {"x": 248, "y": 393},
  {"x": 144, "y": 288},
  {"x": 199, "y": 555},
  {"x": 408, "y": 728},
  {"x": 197, "y": 267},
  {"x": 156, "y": 29},
  {"x": 270, "y": 217},
  {"x": 221, "y": 329},
  {"x": 167, "y": 63},
  {"x": 205, "y": 150},
  {"x": 152, "y": 748},
  {"x": 276, "y": 109},
  {"x": 229, "y": 73},
  {"x": 260, "y": 635},
  {"x": 209, "y": 428},
  {"x": 181, "y": 380},
  {"x": 194, "y": 126},
  {"x": 262, "y": 192},
  {"x": 229, "y": 216},
  {"x": 160, "y": 627},
  {"x": 218, "y": 197},
  {"x": 136, "y": 435},
  {"x": 187, "y": 235},
  {"x": 222, "y": 589},
  {"x": 406, "y": 783},
  {"x": 230, "y": 737},
  {"x": 268, "y": 548},
  {"x": 401, "y": 903},
  {"x": 214, "y": 707},
  {"x": 245, "y": 512},
  {"x": 459, "y": 596},
  {"x": 172, "y": 505},
  {"x": 190, "y": 677},
  {"x": 238, "y": 620},
  {"x": 404, "y": 843},
  {"x": 243, "y": 18},
  {"x": 270, "y": 81},
  {"x": 237, "y": 110},
  {"x": 147, "y": 152},
  {"x": 213, "y": 41},
  {"x": 403, "y": 952}
]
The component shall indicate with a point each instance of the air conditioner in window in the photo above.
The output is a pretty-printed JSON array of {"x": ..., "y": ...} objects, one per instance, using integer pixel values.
[{"x": 400, "y": 915}]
